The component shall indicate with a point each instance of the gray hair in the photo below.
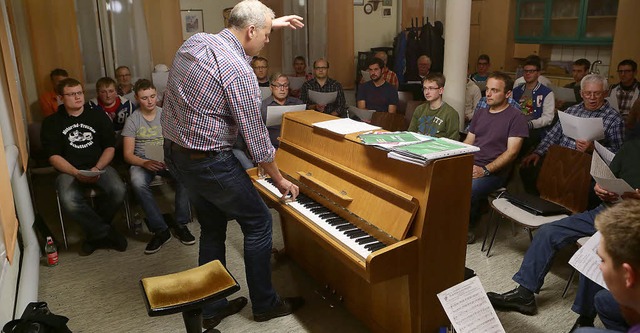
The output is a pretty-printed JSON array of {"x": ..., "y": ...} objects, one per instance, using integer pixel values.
[
  {"x": 275, "y": 76},
  {"x": 250, "y": 12},
  {"x": 594, "y": 78}
]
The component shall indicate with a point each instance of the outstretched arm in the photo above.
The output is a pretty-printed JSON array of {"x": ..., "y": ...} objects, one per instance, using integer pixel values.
[{"x": 289, "y": 21}]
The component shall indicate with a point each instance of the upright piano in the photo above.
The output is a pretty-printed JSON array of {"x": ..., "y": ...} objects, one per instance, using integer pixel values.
[{"x": 386, "y": 235}]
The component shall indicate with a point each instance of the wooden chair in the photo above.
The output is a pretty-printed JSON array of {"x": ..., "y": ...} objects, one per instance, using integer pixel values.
[
  {"x": 389, "y": 121},
  {"x": 403, "y": 98},
  {"x": 187, "y": 292},
  {"x": 408, "y": 112},
  {"x": 564, "y": 179}
]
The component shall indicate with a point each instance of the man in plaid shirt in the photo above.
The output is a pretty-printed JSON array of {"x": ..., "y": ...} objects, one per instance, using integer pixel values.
[
  {"x": 625, "y": 93},
  {"x": 594, "y": 105},
  {"x": 212, "y": 95},
  {"x": 323, "y": 83}
]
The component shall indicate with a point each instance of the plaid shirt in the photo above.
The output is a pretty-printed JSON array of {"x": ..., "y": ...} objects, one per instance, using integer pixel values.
[
  {"x": 482, "y": 104},
  {"x": 611, "y": 119},
  {"x": 212, "y": 94},
  {"x": 339, "y": 106},
  {"x": 626, "y": 97}
]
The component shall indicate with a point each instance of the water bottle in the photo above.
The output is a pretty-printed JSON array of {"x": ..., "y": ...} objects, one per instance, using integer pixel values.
[
  {"x": 52, "y": 252},
  {"x": 137, "y": 223}
]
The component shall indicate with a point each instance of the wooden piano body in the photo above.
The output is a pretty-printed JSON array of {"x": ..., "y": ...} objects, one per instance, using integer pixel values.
[{"x": 425, "y": 210}]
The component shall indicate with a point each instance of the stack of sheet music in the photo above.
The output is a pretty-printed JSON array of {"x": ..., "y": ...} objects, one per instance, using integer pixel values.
[{"x": 416, "y": 148}]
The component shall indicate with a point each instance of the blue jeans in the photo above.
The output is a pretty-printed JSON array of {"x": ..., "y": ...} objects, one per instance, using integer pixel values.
[
  {"x": 480, "y": 189},
  {"x": 140, "y": 179},
  {"x": 220, "y": 190},
  {"x": 547, "y": 241},
  {"x": 95, "y": 223},
  {"x": 592, "y": 299}
]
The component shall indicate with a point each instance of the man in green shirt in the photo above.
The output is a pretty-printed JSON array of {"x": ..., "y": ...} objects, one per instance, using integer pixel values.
[{"x": 435, "y": 117}]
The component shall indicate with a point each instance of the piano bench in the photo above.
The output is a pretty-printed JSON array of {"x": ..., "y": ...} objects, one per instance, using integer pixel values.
[{"x": 187, "y": 292}]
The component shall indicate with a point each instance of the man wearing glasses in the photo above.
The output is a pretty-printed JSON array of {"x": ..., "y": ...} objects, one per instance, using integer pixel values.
[
  {"x": 435, "y": 117},
  {"x": 323, "y": 83},
  {"x": 482, "y": 69},
  {"x": 626, "y": 92},
  {"x": 260, "y": 66},
  {"x": 79, "y": 142},
  {"x": 279, "y": 97},
  {"x": 593, "y": 91}
]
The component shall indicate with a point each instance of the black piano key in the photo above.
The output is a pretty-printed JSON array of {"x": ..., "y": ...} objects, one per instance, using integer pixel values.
[
  {"x": 338, "y": 222},
  {"x": 366, "y": 240},
  {"x": 358, "y": 234},
  {"x": 374, "y": 246},
  {"x": 345, "y": 227}
]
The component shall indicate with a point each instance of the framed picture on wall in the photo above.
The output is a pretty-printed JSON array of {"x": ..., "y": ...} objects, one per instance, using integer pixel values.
[
  {"x": 192, "y": 22},
  {"x": 358, "y": 2}
]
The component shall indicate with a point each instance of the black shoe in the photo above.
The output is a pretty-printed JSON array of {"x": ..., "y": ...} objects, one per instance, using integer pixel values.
[
  {"x": 160, "y": 238},
  {"x": 233, "y": 307},
  {"x": 471, "y": 237},
  {"x": 582, "y": 321},
  {"x": 514, "y": 300},
  {"x": 184, "y": 235},
  {"x": 286, "y": 306},
  {"x": 87, "y": 248},
  {"x": 116, "y": 241}
]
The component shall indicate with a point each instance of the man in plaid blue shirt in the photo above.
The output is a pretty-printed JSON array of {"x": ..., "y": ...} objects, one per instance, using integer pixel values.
[
  {"x": 593, "y": 91},
  {"x": 212, "y": 95}
]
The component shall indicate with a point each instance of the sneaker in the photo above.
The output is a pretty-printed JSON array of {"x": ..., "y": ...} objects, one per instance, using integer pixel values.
[
  {"x": 286, "y": 306},
  {"x": 233, "y": 307},
  {"x": 160, "y": 238},
  {"x": 514, "y": 300},
  {"x": 184, "y": 235}
]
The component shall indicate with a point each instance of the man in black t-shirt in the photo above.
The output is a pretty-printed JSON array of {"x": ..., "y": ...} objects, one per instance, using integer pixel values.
[{"x": 79, "y": 142}]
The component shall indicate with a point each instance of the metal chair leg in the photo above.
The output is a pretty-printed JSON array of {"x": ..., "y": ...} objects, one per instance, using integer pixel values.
[
  {"x": 64, "y": 234},
  {"x": 530, "y": 234},
  {"x": 486, "y": 231},
  {"x": 493, "y": 238},
  {"x": 566, "y": 288}
]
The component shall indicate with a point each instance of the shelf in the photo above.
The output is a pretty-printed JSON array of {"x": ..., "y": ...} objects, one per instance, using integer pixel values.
[{"x": 607, "y": 17}]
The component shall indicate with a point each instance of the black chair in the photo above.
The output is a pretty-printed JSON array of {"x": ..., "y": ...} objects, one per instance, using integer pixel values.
[{"x": 187, "y": 292}]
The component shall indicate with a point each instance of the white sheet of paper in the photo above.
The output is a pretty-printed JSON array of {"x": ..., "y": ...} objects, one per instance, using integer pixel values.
[
  {"x": 587, "y": 262},
  {"x": 345, "y": 126},
  {"x": 89, "y": 173},
  {"x": 275, "y": 112},
  {"x": 564, "y": 94},
  {"x": 361, "y": 113},
  {"x": 615, "y": 185},
  {"x": 322, "y": 98},
  {"x": 599, "y": 168},
  {"x": 605, "y": 153},
  {"x": 154, "y": 152},
  {"x": 365, "y": 76},
  {"x": 295, "y": 82},
  {"x": 468, "y": 308},
  {"x": 265, "y": 92},
  {"x": 579, "y": 128}
]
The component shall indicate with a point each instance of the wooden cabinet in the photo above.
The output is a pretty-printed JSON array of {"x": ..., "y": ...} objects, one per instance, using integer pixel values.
[{"x": 584, "y": 22}]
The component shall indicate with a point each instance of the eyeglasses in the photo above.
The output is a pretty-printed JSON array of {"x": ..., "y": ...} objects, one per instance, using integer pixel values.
[
  {"x": 278, "y": 86},
  {"x": 73, "y": 94},
  {"x": 482, "y": 63},
  {"x": 530, "y": 71},
  {"x": 430, "y": 88},
  {"x": 591, "y": 94},
  {"x": 260, "y": 67},
  {"x": 622, "y": 71},
  {"x": 320, "y": 67},
  {"x": 123, "y": 75}
]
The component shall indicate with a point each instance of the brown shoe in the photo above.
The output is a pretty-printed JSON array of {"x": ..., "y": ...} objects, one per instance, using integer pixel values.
[{"x": 233, "y": 307}]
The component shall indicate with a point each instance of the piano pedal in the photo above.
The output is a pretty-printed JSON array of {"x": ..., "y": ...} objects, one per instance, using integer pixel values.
[{"x": 330, "y": 295}]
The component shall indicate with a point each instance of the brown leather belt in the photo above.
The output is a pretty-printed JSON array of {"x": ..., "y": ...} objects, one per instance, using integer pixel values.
[{"x": 193, "y": 153}]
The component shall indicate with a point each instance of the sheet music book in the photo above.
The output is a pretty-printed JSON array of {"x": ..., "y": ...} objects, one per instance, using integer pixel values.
[
  {"x": 468, "y": 308},
  {"x": 578, "y": 128},
  {"x": 154, "y": 151},
  {"x": 345, "y": 126},
  {"x": 296, "y": 82},
  {"x": 587, "y": 261},
  {"x": 265, "y": 92},
  {"x": 564, "y": 94},
  {"x": 363, "y": 114},
  {"x": 388, "y": 140},
  {"x": 275, "y": 112},
  {"x": 322, "y": 98},
  {"x": 424, "y": 152}
]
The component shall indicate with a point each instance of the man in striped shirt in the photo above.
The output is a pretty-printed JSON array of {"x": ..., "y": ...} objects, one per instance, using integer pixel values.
[{"x": 212, "y": 95}]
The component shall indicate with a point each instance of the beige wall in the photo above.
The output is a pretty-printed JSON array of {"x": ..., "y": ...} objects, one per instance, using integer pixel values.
[{"x": 374, "y": 30}]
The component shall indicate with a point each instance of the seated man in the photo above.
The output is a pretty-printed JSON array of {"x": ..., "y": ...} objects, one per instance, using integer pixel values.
[
  {"x": 594, "y": 88},
  {"x": 435, "y": 117},
  {"x": 279, "y": 97},
  {"x": 482, "y": 69},
  {"x": 498, "y": 130},
  {"x": 260, "y": 67},
  {"x": 627, "y": 91},
  {"x": 472, "y": 98},
  {"x": 49, "y": 101},
  {"x": 123, "y": 76},
  {"x": 579, "y": 70},
  {"x": 542, "y": 79},
  {"x": 116, "y": 107},
  {"x": 414, "y": 80},
  {"x": 76, "y": 138},
  {"x": 537, "y": 103},
  {"x": 377, "y": 94},
  {"x": 299, "y": 70},
  {"x": 551, "y": 237},
  {"x": 387, "y": 74},
  {"x": 323, "y": 83},
  {"x": 142, "y": 129}
]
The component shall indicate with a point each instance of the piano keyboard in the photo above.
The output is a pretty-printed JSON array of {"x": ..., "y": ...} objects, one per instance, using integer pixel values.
[{"x": 354, "y": 238}]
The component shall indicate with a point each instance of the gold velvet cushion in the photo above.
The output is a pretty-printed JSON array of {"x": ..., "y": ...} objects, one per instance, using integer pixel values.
[{"x": 188, "y": 289}]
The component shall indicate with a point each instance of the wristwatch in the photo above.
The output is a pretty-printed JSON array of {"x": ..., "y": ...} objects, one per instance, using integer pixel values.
[{"x": 486, "y": 171}]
